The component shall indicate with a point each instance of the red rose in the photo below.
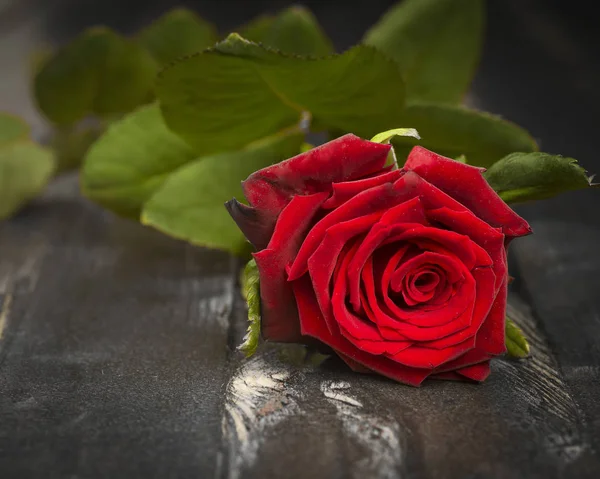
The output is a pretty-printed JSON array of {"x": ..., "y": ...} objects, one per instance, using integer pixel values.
[{"x": 400, "y": 272}]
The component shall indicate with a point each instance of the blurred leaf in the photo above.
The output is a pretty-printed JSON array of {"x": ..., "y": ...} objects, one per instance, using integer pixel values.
[
  {"x": 12, "y": 128},
  {"x": 131, "y": 160},
  {"x": 454, "y": 131},
  {"x": 257, "y": 28},
  {"x": 25, "y": 168},
  {"x": 437, "y": 44},
  {"x": 251, "y": 292},
  {"x": 70, "y": 145},
  {"x": 296, "y": 30},
  {"x": 190, "y": 204},
  {"x": 239, "y": 91},
  {"x": 178, "y": 33},
  {"x": 516, "y": 343},
  {"x": 99, "y": 72},
  {"x": 38, "y": 59},
  {"x": 535, "y": 176}
]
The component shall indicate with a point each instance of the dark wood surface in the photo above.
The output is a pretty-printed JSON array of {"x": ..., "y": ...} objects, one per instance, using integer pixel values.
[{"x": 117, "y": 343}]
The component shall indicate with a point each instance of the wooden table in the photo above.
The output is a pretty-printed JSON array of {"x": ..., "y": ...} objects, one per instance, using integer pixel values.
[{"x": 117, "y": 344}]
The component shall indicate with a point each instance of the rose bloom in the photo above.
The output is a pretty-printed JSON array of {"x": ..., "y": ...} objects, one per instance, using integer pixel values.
[{"x": 401, "y": 272}]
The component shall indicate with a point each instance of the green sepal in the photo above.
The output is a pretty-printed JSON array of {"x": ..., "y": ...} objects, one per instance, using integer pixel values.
[
  {"x": 516, "y": 343},
  {"x": 304, "y": 147},
  {"x": 386, "y": 136},
  {"x": 251, "y": 292}
]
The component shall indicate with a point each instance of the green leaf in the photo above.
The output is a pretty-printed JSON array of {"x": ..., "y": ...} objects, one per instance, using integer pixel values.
[
  {"x": 453, "y": 131},
  {"x": 534, "y": 176},
  {"x": 99, "y": 72},
  {"x": 190, "y": 203},
  {"x": 12, "y": 128},
  {"x": 437, "y": 43},
  {"x": 38, "y": 58},
  {"x": 251, "y": 292},
  {"x": 386, "y": 136},
  {"x": 70, "y": 144},
  {"x": 178, "y": 33},
  {"x": 239, "y": 91},
  {"x": 131, "y": 160},
  {"x": 516, "y": 344},
  {"x": 25, "y": 168},
  {"x": 296, "y": 30},
  {"x": 256, "y": 29}
]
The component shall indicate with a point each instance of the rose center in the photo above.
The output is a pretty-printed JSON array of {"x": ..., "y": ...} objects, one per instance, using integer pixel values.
[
  {"x": 421, "y": 286},
  {"x": 425, "y": 280}
]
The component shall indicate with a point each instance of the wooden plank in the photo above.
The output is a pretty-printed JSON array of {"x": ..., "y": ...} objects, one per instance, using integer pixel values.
[
  {"x": 328, "y": 422},
  {"x": 114, "y": 345},
  {"x": 561, "y": 268}
]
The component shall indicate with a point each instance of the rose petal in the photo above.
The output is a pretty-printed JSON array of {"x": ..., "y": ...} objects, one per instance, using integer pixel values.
[
  {"x": 376, "y": 347},
  {"x": 410, "y": 212},
  {"x": 394, "y": 328},
  {"x": 450, "y": 264},
  {"x": 467, "y": 223},
  {"x": 325, "y": 258},
  {"x": 313, "y": 324},
  {"x": 474, "y": 356},
  {"x": 432, "y": 239},
  {"x": 418, "y": 356},
  {"x": 476, "y": 372},
  {"x": 257, "y": 228},
  {"x": 342, "y": 159},
  {"x": 343, "y": 192},
  {"x": 379, "y": 198},
  {"x": 387, "y": 333},
  {"x": 361, "y": 332},
  {"x": 442, "y": 208},
  {"x": 491, "y": 336},
  {"x": 484, "y": 280},
  {"x": 278, "y": 311},
  {"x": 358, "y": 328},
  {"x": 438, "y": 315},
  {"x": 355, "y": 366},
  {"x": 451, "y": 177}
]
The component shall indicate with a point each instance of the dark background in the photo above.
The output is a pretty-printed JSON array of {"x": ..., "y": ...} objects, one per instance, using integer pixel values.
[{"x": 112, "y": 363}]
